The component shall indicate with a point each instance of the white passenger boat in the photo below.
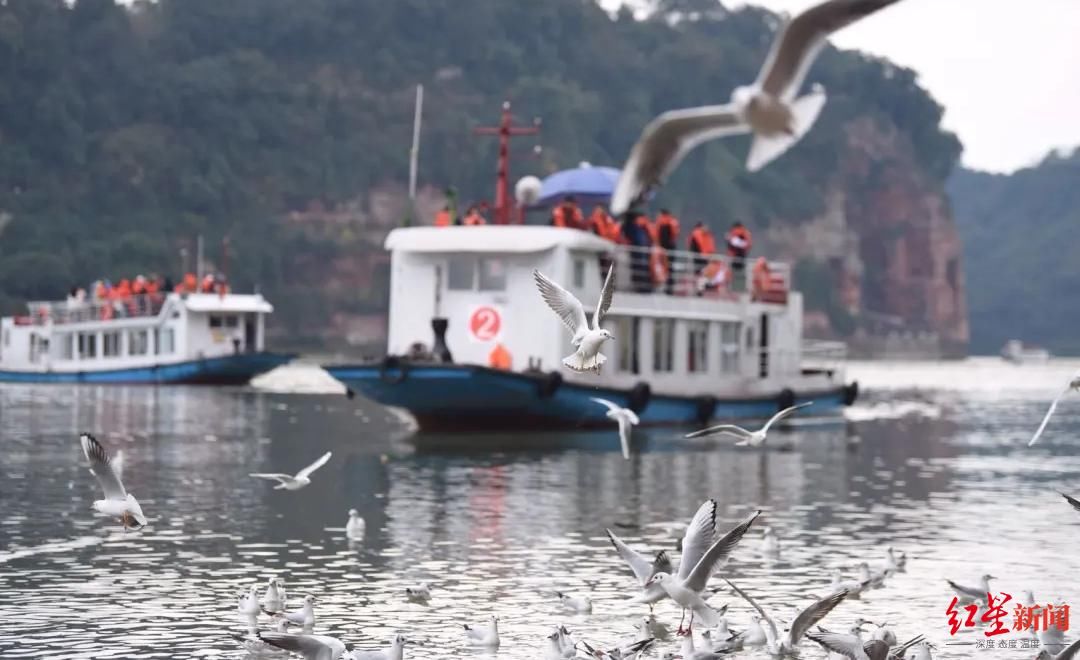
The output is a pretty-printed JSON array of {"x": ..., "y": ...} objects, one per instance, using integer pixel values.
[
  {"x": 1014, "y": 351},
  {"x": 210, "y": 338}
]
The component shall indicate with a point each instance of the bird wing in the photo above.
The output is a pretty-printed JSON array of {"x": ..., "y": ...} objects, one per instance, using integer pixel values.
[
  {"x": 1069, "y": 652},
  {"x": 117, "y": 463},
  {"x": 846, "y": 645},
  {"x": 314, "y": 647},
  {"x": 101, "y": 468},
  {"x": 610, "y": 405},
  {"x": 753, "y": 604},
  {"x": 786, "y": 412},
  {"x": 811, "y": 615},
  {"x": 607, "y": 292},
  {"x": 642, "y": 567},
  {"x": 321, "y": 461},
  {"x": 698, "y": 537},
  {"x": 663, "y": 144},
  {"x": 717, "y": 552},
  {"x": 563, "y": 303},
  {"x": 899, "y": 651},
  {"x": 977, "y": 594},
  {"x": 1049, "y": 413},
  {"x": 632, "y": 416},
  {"x": 662, "y": 564},
  {"x": 798, "y": 42},
  {"x": 624, "y": 437},
  {"x": 1071, "y": 500},
  {"x": 283, "y": 478},
  {"x": 728, "y": 429}
]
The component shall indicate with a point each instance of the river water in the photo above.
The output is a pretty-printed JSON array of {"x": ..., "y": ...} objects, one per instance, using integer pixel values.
[{"x": 932, "y": 461}]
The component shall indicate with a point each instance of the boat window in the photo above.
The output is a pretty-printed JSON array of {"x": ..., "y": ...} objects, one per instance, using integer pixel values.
[
  {"x": 138, "y": 342},
  {"x": 460, "y": 273},
  {"x": 164, "y": 341},
  {"x": 729, "y": 347},
  {"x": 492, "y": 274},
  {"x": 624, "y": 330},
  {"x": 215, "y": 321},
  {"x": 67, "y": 346},
  {"x": 698, "y": 346},
  {"x": 579, "y": 273},
  {"x": 87, "y": 345},
  {"x": 663, "y": 344},
  {"x": 231, "y": 322},
  {"x": 110, "y": 344}
]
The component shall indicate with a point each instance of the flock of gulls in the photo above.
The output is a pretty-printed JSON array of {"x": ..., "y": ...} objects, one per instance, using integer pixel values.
[{"x": 771, "y": 110}]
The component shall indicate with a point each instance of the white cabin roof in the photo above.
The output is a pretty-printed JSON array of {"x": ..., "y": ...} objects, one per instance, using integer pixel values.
[
  {"x": 493, "y": 238},
  {"x": 230, "y": 302}
]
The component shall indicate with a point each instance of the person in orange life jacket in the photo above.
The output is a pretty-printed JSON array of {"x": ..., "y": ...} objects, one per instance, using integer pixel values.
[
  {"x": 567, "y": 214},
  {"x": 600, "y": 222},
  {"x": 701, "y": 242},
  {"x": 444, "y": 218},
  {"x": 667, "y": 234},
  {"x": 738, "y": 247},
  {"x": 473, "y": 218}
]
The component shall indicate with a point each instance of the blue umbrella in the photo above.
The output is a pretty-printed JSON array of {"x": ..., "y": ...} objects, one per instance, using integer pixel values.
[{"x": 588, "y": 184}]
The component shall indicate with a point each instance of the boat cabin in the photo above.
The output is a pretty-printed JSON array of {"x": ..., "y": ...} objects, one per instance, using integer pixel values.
[{"x": 685, "y": 323}]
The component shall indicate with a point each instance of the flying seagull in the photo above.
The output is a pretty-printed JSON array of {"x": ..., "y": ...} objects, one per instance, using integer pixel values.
[
  {"x": 1073, "y": 386},
  {"x": 875, "y": 649},
  {"x": 586, "y": 340},
  {"x": 625, "y": 417},
  {"x": 117, "y": 502},
  {"x": 288, "y": 481},
  {"x": 767, "y": 108},
  {"x": 969, "y": 594},
  {"x": 644, "y": 569},
  {"x": 799, "y": 627},
  {"x": 752, "y": 438},
  {"x": 312, "y": 647},
  {"x": 1071, "y": 500}
]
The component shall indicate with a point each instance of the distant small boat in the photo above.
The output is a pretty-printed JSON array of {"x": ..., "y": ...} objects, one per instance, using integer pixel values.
[{"x": 1014, "y": 351}]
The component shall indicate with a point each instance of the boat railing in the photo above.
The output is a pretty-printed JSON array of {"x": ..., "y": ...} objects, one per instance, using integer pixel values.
[
  {"x": 680, "y": 273},
  {"x": 82, "y": 311}
]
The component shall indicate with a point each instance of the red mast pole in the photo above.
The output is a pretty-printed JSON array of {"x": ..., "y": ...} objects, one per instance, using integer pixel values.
[{"x": 505, "y": 130}]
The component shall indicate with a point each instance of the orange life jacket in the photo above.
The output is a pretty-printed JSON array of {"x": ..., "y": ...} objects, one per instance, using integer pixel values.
[
  {"x": 647, "y": 226},
  {"x": 702, "y": 241},
  {"x": 659, "y": 264},
  {"x": 667, "y": 230},
  {"x": 442, "y": 218},
  {"x": 739, "y": 233},
  {"x": 499, "y": 358},
  {"x": 600, "y": 223},
  {"x": 473, "y": 219},
  {"x": 567, "y": 215}
]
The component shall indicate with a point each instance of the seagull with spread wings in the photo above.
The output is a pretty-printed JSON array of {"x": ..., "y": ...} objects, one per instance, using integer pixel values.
[
  {"x": 117, "y": 502},
  {"x": 625, "y": 417},
  {"x": 301, "y": 479},
  {"x": 1073, "y": 386},
  {"x": 768, "y": 108},
  {"x": 799, "y": 627},
  {"x": 644, "y": 569},
  {"x": 752, "y": 438},
  {"x": 311, "y": 647},
  {"x": 587, "y": 340}
]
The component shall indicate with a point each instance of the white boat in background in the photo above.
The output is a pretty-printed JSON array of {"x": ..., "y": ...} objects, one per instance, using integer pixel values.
[
  {"x": 1014, "y": 351},
  {"x": 209, "y": 338}
]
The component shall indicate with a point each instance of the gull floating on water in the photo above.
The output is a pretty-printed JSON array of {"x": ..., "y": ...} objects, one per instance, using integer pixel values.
[
  {"x": 587, "y": 340},
  {"x": 625, "y": 417},
  {"x": 274, "y": 598},
  {"x": 894, "y": 561},
  {"x": 970, "y": 594},
  {"x": 799, "y": 627},
  {"x": 566, "y": 642},
  {"x": 699, "y": 560},
  {"x": 117, "y": 502},
  {"x": 875, "y": 578},
  {"x": 553, "y": 649},
  {"x": 248, "y": 604},
  {"x": 395, "y": 652},
  {"x": 644, "y": 569},
  {"x": 853, "y": 587},
  {"x": 312, "y": 647},
  {"x": 752, "y": 438},
  {"x": 922, "y": 651},
  {"x": 770, "y": 545},
  {"x": 1073, "y": 386},
  {"x": 486, "y": 636},
  {"x": 354, "y": 529},
  {"x": 580, "y": 604},
  {"x": 767, "y": 108},
  {"x": 290, "y": 482},
  {"x": 305, "y": 616},
  {"x": 418, "y": 593}
]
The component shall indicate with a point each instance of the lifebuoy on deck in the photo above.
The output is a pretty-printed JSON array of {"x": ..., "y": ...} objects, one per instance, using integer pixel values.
[
  {"x": 785, "y": 399},
  {"x": 549, "y": 384},
  {"x": 706, "y": 405},
  {"x": 851, "y": 392},
  {"x": 639, "y": 397},
  {"x": 393, "y": 363}
]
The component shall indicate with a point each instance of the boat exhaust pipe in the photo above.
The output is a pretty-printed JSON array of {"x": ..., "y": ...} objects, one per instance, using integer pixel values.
[{"x": 439, "y": 348}]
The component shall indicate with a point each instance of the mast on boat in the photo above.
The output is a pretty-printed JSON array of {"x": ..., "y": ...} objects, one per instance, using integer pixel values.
[{"x": 505, "y": 130}]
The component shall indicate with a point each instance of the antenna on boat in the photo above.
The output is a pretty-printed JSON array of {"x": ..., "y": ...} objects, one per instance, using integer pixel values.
[
  {"x": 199, "y": 260},
  {"x": 505, "y": 130},
  {"x": 414, "y": 154}
]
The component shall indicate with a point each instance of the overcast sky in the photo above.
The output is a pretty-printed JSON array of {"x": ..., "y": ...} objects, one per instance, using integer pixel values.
[{"x": 1007, "y": 71}]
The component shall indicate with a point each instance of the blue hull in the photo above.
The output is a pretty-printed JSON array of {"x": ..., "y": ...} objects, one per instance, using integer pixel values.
[
  {"x": 229, "y": 370},
  {"x": 468, "y": 398}
]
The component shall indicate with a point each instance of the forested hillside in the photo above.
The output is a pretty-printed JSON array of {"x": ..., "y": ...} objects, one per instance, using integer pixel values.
[
  {"x": 125, "y": 131},
  {"x": 1021, "y": 237}
]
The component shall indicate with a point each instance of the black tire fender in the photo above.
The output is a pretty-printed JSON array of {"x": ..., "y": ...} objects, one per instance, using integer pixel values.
[
  {"x": 706, "y": 406},
  {"x": 393, "y": 363},
  {"x": 785, "y": 399},
  {"x": 549, "y": 384},
  {"x": 639, "y": 396},
  {"x": 851, "y": 392}
]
